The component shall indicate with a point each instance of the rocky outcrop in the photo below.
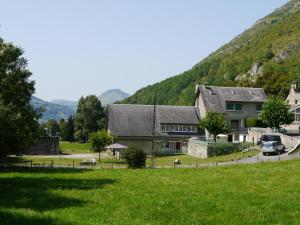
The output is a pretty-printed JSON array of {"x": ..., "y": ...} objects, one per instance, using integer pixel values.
[{"x": 255, "y": 71}]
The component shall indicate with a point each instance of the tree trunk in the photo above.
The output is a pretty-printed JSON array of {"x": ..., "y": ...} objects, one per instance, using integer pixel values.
[{"x": 99, "y": 156}]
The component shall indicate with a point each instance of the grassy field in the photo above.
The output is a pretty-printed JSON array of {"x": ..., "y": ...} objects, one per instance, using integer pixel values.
[
  {"x": 74, "y": 147},
  {"x": 168, "y": 160},
  {"x": 163, "y": 160},
  {"x": 265, "y": 193}
]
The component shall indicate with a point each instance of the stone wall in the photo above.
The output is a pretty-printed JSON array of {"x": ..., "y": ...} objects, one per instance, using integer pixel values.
[
  {"x": 256, "y": 133},
  {"x": 197, "y": 149},
  {"x": 44, "y": 146}
]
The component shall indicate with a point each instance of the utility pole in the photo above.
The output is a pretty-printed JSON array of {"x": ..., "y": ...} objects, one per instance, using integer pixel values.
[{"x": 153, "y": 131}]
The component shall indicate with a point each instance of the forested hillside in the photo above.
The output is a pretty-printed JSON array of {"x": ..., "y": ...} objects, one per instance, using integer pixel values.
[{"x": 266, "y": 55}]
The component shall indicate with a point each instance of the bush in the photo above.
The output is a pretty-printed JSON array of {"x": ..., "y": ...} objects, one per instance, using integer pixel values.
[
  {"x": 254, "y": 122},
  {"x": 135, "y": 157},
  {"x": 222, "y": 149}
]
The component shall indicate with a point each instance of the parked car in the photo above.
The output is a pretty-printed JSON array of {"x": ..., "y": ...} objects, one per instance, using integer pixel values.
[
  {"x": 272, "y": 147},
  {"x": 268, "y": 138}
]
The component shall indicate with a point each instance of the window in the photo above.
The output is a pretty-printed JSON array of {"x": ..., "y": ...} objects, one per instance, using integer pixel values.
[
  {"x": 234, "y": 106},
  {"x": 296, "y": 102},
  {"x": 178, "y": 128},
  {"x": 167, "y": 145},
  {"x": 230, "y": 106},
  {"x": 258, "y": 107},
  {"x": 238, "y": 107}
]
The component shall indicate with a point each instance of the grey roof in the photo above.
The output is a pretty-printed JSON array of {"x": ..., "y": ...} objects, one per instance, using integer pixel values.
[
  {"x": 137, "y": 120},
  {"x": 215, "y": 98}
]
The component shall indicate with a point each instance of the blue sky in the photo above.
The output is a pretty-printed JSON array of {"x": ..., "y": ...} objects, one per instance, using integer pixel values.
[{"x": 77, "y": 48}]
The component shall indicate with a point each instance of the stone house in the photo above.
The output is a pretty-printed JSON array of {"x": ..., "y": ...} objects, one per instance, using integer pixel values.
[
  {"x": 236, "y": 103},
  {"x": 169, "y": 126},
  {"x": 293, "y": 99}
]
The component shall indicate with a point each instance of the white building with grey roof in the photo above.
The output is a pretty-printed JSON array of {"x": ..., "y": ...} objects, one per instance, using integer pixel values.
[
  {"x": 173, "y": 126},
  {"x": 236, "y": 103},
  {"x": 169, "y": 126}
]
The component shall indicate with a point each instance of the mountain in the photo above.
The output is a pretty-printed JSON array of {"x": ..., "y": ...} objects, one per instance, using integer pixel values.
[
  {"x": 267, "y": 55},
  {"x": 52, "y": 111},
  {"x": 71, "y": 104},
  {"x": 112, "y": 96}
]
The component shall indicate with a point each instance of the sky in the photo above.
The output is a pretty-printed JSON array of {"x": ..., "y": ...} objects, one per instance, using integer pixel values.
[{"x": 76, "y": 48}]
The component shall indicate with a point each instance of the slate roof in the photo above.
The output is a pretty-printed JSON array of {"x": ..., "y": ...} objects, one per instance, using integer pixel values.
[
  {"x": 215, "y": 98},
  {"x": 137, "y": 120}
]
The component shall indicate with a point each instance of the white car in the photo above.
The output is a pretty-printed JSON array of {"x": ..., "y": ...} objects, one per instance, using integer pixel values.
[{"x": 272, "y": 147}]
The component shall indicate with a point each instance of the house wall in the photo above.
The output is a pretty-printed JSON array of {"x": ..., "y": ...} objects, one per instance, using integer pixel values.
[
  {"x": 200, "y": 103},
  {"x": 249, "y": 110},
  {"x": 146, "y": 145},
  {"x": 293, "y": 98}
]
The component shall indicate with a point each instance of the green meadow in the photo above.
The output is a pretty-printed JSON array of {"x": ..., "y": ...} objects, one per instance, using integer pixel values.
[
  {"x": 266, "y": 193},
  {"x": 74, "y": 147}
]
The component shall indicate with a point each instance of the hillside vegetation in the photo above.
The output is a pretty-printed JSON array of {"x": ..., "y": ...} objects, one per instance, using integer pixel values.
[{"x": 266, "y": 55}]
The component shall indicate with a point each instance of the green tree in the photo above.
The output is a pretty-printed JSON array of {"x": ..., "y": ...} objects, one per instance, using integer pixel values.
[
  {"x": 99, "y": 140},
  {"x": 89, "y": 117},
  {"x": 52, "y": 128},
  {"x": 275, "y": 113},
  {"x": 62, "y": 129},
  {"x": 18, "y": 119},
  {"x": 69, "y": 130},
  {"x": 215, "y": 124},
  {"x": 135, "y": 157}
]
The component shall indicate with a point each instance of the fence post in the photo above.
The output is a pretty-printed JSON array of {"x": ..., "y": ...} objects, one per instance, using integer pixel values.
[
  {"x": 237, "y": 161},
  {"x": 31, "y": 163},
  {"x": 73, "y": 164},
  {"x": 216, "y": 164}
]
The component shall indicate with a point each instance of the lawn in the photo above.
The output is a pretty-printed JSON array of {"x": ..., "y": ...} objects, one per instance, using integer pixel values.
[
  {"x": 168, "y": 160},
  {"x": 265, "y": 193},
  {"x": 74, "y": 147},
  {"x": 162, "y": 160}
]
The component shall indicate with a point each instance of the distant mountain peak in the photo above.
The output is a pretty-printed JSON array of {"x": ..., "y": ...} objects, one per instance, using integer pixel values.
[{"x": 113, "y": 95}]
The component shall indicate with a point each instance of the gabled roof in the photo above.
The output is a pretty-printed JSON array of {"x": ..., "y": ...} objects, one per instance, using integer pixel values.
[
  {"x": 137, "y": 120},
  {"x": 215, "y": 98}
]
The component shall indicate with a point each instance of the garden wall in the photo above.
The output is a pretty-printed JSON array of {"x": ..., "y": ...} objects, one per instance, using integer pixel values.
[
  {"x": 204, "y": 149},
  {"x": 44, "y": 146}
]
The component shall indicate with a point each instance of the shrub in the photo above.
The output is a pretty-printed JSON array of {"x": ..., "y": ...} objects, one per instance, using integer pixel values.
[
  {"x": 135, "y": 157},
  {"x": 254, "y": 122},
  {"x": 222, "y": 149}
]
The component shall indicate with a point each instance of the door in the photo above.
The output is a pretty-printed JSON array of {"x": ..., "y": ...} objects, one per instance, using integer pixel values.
[{"x": 178, "y": 145}]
